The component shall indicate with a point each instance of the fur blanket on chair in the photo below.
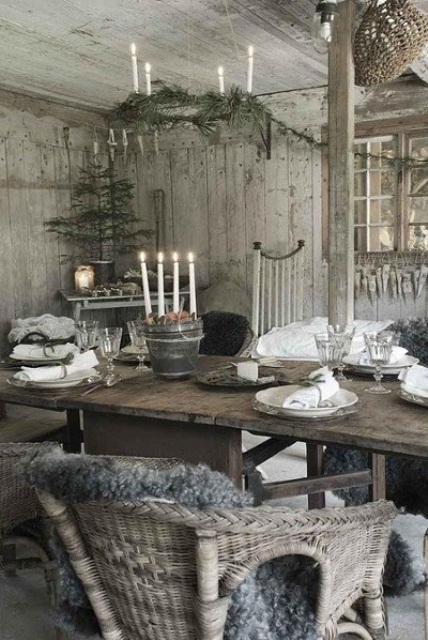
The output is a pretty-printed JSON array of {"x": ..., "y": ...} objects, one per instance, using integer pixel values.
[
  {"x": 407, "y": 487},
  {"x": 275, "y": 602},
  {"x": 224, "y": 333}
]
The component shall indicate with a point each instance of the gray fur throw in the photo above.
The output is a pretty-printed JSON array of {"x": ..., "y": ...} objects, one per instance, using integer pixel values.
[
  {"x": 275, "y": 602},
  {"x": 224, "y": 333},
  {"x": 413, "y": 337},
  {"x": 407, "y": 487}
]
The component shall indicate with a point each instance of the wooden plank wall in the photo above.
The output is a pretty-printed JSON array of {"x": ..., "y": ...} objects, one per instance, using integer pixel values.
[
  {"x": 37, "y": 168},
  {"x": 220, "y": 195}
]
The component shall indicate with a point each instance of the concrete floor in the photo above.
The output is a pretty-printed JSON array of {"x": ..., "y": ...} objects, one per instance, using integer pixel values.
[{"x": 24, "y": 608}]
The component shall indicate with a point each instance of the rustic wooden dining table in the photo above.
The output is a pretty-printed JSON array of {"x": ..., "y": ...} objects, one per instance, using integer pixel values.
[{"x": 148, "y": 416}]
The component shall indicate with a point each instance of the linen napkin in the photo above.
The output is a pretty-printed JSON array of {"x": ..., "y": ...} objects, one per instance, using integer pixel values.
[
  {"x": 397, "y": 354},
  {"x": 415, "y": 377},
  {"x": 56, "y": 352},
  {"x": 312, "y": 396},
  {"x": 81, "y": 362}
]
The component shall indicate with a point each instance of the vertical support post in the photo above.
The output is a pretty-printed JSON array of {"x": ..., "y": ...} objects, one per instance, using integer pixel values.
[
  {"x": 341, "y": 168},
  {"x": 257, "y": 247}
]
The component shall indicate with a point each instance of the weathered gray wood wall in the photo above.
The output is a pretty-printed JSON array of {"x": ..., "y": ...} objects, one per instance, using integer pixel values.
[
  {"x": 219, "y": 195},
  {"x": 37, "y": 168}
]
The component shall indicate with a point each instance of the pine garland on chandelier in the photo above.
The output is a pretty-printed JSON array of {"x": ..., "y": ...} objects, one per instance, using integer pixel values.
[{"x": 172, "y": 106}]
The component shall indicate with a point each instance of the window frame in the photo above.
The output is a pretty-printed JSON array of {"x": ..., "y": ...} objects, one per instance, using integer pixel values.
[{"x": 404, "y": 128}]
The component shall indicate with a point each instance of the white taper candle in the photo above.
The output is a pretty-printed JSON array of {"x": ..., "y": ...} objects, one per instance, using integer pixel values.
[
  {"x": 161, "y": 295},
  {"x": 192, "y": 285},
  {"x": 148, "y": 79},
  {"x": 221, "y": 79},
  {"x": 176, "y": 284},
  {"x": 250, "y": 69},
  {"x": 134, "y": 67},
  {"x": 145, "y": 281}
]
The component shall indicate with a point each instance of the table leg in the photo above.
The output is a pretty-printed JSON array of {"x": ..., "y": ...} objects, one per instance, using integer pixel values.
[
  {"x": 314, "y": 467},
  {"x": 377, "y": 490},
  {"x": 74, "y": 433},
  {"x": 113, "y": 434}
]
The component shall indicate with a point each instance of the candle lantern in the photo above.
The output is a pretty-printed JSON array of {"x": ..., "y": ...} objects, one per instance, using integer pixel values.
[{"x": 84, "y": 277}]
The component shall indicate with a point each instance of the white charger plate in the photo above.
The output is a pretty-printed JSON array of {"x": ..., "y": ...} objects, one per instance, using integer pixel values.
[
  {"x": 79, "y": 377},
  {"x": 271, "y": 401},
  {"x": 413, "y": 394},
  {"x": 352, "y": 360}
]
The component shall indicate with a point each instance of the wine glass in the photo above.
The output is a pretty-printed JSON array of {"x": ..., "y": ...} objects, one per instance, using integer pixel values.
[
  {"x": 137, "y": 334},
  {"x": 86, "y": 334},
  {"x": 329, "y": 350},
  {"x": 110, "y": 338},
  {"x": 379, "y": 346},
  {"x": 344, "y": 333}
]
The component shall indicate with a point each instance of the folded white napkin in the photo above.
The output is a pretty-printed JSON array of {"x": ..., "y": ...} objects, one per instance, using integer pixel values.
[
  {"x": 81, "y": 362},
  {"x": 56, "y": 352},
  {"x": 417, "y": 377},
  {"x": 311, "y": 397},
  {"x": 397, "y": 354}
]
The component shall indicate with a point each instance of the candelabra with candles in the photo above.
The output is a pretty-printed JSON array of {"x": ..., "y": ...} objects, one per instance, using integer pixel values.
[{"x": 173, "y": 336}]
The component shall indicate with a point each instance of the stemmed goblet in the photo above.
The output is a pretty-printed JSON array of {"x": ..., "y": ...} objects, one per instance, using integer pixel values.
[
  {"x": 86, "y": 334},
  {"x": 379, "y": 346},
  {"x": 329, "y": 350},
  {"x": 110, "y": 338},
  {"x": 344, "y": 333},
  {"x": 138, "y": 339}
]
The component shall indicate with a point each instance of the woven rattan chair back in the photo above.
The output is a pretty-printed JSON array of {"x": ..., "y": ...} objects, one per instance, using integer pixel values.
[
  {"x": 161, "y": 571},
  {"x": 391, "y": 35},
  {"x": 18, "y": 502},
  {"x": 278, "y": 288}
]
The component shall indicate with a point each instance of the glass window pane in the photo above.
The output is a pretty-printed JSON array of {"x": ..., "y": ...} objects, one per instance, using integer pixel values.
[
  {"x": 381, "y": 238},
  {"x": 360, "y": 184},
  {"x": 360, "y": 211},
  {"x": 419, "y": 182},
  {"x": 382, "y": 152},
  {"x": 382, "y": 183},
  {"x": 382, "y": 211},
  {"x": 419, "y": 148},
  {"x": 418, "y": 237},
  {"x": 360, "y": 239},
  {"x": 360, "y": 156},
  {"x": 419, "y": 210}
]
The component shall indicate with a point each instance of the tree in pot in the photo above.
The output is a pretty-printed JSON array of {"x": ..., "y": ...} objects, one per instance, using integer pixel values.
[{"x": 101, "y": 224}]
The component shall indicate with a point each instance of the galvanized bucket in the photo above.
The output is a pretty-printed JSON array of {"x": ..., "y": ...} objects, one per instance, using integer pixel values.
[{"x": 174, "y": 348}]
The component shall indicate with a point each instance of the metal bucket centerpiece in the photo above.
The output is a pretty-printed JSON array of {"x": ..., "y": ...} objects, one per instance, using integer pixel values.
[{"x": 174, "y": 347}]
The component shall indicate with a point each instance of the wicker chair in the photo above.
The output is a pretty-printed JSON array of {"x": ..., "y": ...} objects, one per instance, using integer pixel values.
[
  {"x": 19, "y": 504},
  {"x": 158, "y": 570}
]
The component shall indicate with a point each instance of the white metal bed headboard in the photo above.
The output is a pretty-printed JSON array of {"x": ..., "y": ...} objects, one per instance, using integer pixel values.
[{"x": 277, "y": 288}]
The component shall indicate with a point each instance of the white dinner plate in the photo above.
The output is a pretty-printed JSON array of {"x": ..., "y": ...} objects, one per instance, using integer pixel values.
[
  {"x": 271, "y": 401},
  {"x": 353, "y": 360},
  {"x": 79, "y": 377},
  {"x": 415, "y": 391},
  {"x": 407, "y": 392}
]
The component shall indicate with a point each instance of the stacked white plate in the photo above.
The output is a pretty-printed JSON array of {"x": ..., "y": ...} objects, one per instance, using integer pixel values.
[
  {"x": 413, "y": 394},
  {"x": 271, "y": 401},
  {"x": 353, "y": 361},
  {"x": 79, "y": 377}
]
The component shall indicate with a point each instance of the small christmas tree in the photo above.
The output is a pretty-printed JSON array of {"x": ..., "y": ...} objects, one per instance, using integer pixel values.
[{"x": 102, "y": 223}]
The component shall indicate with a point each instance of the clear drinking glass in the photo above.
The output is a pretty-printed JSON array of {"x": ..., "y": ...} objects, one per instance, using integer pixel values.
[
  {"x": 379, "y": 346},
  {"x": 110, "y": 339},
  {"x": 86, "y": 334},
  {"x": 344, "y": 333},
  {"x": 136, "y": 333},
  {"x": 329, "y": 350}
]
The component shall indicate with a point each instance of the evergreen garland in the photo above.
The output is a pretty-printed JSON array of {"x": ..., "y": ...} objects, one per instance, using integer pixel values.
[{"x": 171, "y": 106}]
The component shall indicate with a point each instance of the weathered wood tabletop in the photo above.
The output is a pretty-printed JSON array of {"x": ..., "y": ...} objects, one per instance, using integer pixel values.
[{"x": 150, "y": 416}]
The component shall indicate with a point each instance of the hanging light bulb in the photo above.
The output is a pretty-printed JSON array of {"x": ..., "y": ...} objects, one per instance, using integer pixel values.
[{"x": 322, "y": 25}]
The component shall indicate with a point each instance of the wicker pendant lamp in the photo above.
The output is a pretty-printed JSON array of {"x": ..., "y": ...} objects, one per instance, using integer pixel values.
[{"x": 390, "y": 37}]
